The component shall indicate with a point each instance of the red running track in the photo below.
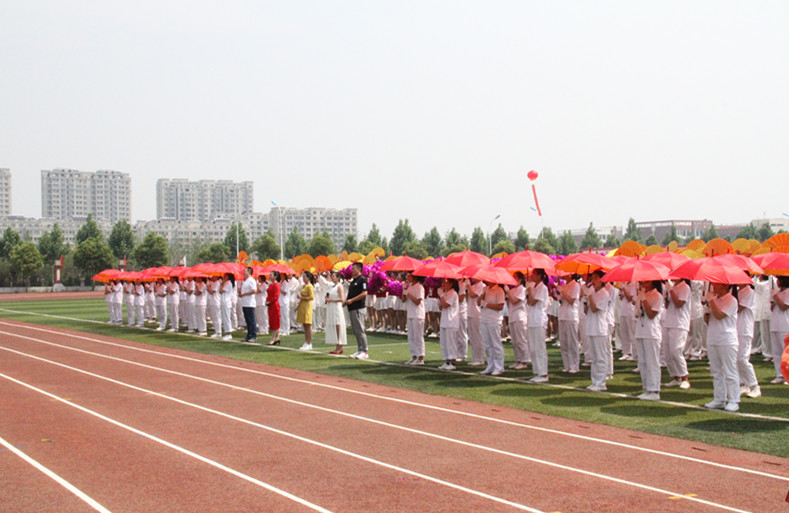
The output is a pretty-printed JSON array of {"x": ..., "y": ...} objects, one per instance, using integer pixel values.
[{"x": 139, "y": 428}]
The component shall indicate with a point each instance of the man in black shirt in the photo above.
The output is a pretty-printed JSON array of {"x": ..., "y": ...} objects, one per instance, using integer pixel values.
[{"x": 357, "y": 292}]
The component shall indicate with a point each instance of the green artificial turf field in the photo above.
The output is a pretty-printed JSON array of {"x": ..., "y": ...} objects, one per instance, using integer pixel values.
[{"x": 564, "y": 397}]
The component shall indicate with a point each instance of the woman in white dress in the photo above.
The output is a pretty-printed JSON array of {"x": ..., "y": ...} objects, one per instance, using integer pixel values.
[
  {"x": 336, "y": 332},
  {"x": 284, "y": 306}
]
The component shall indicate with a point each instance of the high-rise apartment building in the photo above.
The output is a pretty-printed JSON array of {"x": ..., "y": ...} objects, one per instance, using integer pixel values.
[
  {"x": 204, "y": 200},
  {"x": 5, "y": 192},
  {"x": 312, "y": 221},
  {"x": 68, "y": 194}
]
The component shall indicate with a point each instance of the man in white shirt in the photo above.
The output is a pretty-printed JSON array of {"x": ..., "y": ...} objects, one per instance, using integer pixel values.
[{"x": 247, "y": 296}]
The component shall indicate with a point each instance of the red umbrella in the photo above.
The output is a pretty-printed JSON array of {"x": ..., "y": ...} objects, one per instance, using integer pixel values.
[
  {"x": 712, "y": 270},
  {"x": 466, "y": 258},
  {"x": 773, "y": 263},
  {"x": 106, "y": 275},
  {"x": 584, "y": 263},
  {"x": 129, "y": 275},
  {"x": 526, "y": 261},
  {"x": 280, "y": 268},
  {"x": 667, "y": 258},
  {"x": 403, "y": 263},
  {"x": 493, "y": 274},
  {"x": 440, "y": 269},
  {"x": 638, "y": 270},
  {"x": 742, "y": 262}
]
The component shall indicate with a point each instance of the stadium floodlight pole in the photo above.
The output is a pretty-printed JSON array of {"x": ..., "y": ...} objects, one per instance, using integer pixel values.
[
  {"x": 490, "y": 237},
  {"x": 281, "y": 236}
]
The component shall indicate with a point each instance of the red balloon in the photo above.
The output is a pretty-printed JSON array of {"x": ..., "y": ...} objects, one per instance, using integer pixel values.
[{"x": 532, "y": 175}]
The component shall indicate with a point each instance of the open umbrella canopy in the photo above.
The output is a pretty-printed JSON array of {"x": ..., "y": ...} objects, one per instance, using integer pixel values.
[
  {"x": 713, "y": 270},
  {"x": 440, "y": 269},
  {"x": 403, "y": 263},
  {"x": 526, "y": 261},
  {"x": 773, "y": 263},
  {"x": 106, "y": 275},
  {"x": 493, "y": 274},
  {"x": 637, "y": 270},
  {"x": 129, "y": 275},
  {"x": 585, "y": 263},
  {"x": 742, "y": 262},
  {"x": 667, "y": 258},
  {"x": 280, "y": 268},
  {"x": 466, "y": 258}
]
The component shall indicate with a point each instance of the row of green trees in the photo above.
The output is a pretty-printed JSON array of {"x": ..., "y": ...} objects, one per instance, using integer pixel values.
[{"x": 24, "y": 263}]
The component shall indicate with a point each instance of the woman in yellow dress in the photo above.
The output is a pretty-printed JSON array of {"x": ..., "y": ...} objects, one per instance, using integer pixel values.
[{"x": 304, "y": 312}]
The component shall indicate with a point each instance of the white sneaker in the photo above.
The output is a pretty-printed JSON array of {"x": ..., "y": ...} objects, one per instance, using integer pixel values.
[
  {"x": 355, "y": 355},
  {"x": 418, "y": 362},
  {"x": 306, "y": 347},
  {"x": 744, "y": 390},
  {"x": 539, "y": 379},
  {"x": 755, "y": 392},
  {"x": 596, "y": 388},
  {"x": 518, "y": 366},
  {"x": 202, "y": 334},
  {"x": 228, "y": 337},
  {"x": 778, "y": 381},
  {"x": 485, "y": 372},
  {"x": 410, "y": 362},
  {"x": 171, "y": 330},
  {"x": 476, "y": 364},
  {"x": 715, "y": 405},
  {"x": 216, "y": 335},
  {"x": 497, "y": 373},
  {"x": 362, "y": 356},
  {"x": 448, "y": 367},
  {"x": 732, "y": 407},
  {"x": 159, "y": 329},
  {"x": 650, "y": 396},
  {"x": 673, "y": 383},
  {"x": 684, "y": 385}
]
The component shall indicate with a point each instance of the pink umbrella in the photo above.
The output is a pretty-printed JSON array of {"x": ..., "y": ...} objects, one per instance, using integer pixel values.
[
  {"x": 584, "y": 263},
  {"x": 466, "y": 258},
  {"x": 773, "y": 263},
  {"x": 637, "y": 270},
  {"x": 667, "y": 258},
  {"x": 743, "y": 262},
  {"x": 713, "y": 270},
  {"x": 493, "y": 274},
  {"x": 526, "y": 261},
  {"x": 403, "y": 263},
  {"x": 440, "y": 269}
]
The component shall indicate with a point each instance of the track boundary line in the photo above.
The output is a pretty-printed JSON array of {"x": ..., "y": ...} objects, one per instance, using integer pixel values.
[
  {"x": 402, "y": 401},
  {"x": 93, "y": 503},
  {"x": 170, "y": 445},
  {"x": 253, "y": 424}
]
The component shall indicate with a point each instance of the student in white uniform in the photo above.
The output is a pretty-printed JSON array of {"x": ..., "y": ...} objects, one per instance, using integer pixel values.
[
  {"x": 117, "y": 302},
  {"x": 228, "y": 291},
  {"x": 462, "y": 338},
  {"x": 200, "y": 306},
  {"x": 677, "y": 323},
  {"x": 284, "y": 306},
  {"x": 648, "y": 335},
  {"x": 474, "y": 289},
  {"x": 779, "y": 323},
  {"x": 722, "y": 348},
  {"x": 537, "y": 323},
  {"x": 188, "y": 286},
  {"x": 568, "y": 326},
  {"x": 414, "y": 295},
  {"x": 150, "y": 302},
  {"x": 139, "y": 303},
  {"x": 449, "y": 304},
  {"x": 597, "y": 331},
  {"x": 160, "y": 301},
  {"x": 627, "y": 320},
  {"x": 491, "y": 303},
  {"x": 746, "y": 299},
  {"x": 761, "y": 335},
  {"x": 174, "y": 302},
  {"x": 694, "y": 348},
  {"x": 261, "y": 311},
  {"x": 213, "y": 304},
  {"x": 518, "y": 319},
  {"x": 108, "y": 300},
  {"x": 128, "y": 297}
]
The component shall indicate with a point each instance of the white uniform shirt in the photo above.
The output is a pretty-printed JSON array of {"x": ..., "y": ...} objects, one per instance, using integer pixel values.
[
  {"x": 646, "y": 327},
  {"x": 413, "y": 310},
  {"x": 517, "y": 311},
  {"x": 679, "y": 318},
  {"x": 779, "y": 319},
  {"x": 538, "y": 312},
  {"x": 723, "y": 332},
  {"x": 249, "y": 285},
  {"x": 746, "y": 298},
  {"x": 569, "y": 311},
  {"x": 597, "y": 322},
  {"x": 493, "y": 295},
  {"x": 449, "y": 314}
]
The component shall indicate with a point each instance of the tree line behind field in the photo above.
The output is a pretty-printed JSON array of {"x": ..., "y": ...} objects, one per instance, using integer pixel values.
[{"x": 24, "y": 263}]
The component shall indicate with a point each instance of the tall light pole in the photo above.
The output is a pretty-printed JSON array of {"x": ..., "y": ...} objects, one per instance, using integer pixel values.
[
  {"x": 490, "y": 237},
  {"x": 281, "y": 236}
]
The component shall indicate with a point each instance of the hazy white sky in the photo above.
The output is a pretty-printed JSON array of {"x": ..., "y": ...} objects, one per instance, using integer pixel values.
[{"x": 428, "y": 110}]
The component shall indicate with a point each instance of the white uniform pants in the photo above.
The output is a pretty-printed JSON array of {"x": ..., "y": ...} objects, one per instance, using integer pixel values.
[
  {"x": 416, "y": 336},
  {"x": 140, "y": 310},
  {"x": 568, "y": 344},
  {"x": 744, "y": 367},
  {"x": 448, "y": 342},
  {"x": 214, "y": 313},
  {"x": 130, "y": 311},
  {"x": 673, "y": 346},
  {"x": 696, "y": 337},
  {"x": 539, "y": 353},
  {"x": 475, "y": 340},
  {"x": 649, "y": 363},
  {"x": 520, "y": 341},
  {"x": 227, "y": 316},
  {"x": 491, "y": 340},
  {"x": 597, "y": 357},
  {"x": 462, "y": 338},
  {"x": 261, "y": 317},
  {"x": 627, "y": 333},
  {"x": 117, "y": 312},
  {"x": 161, "y": 314},
  {"x": 777, "y": 343},
  {"x": 723, "y": 367},
  {"x": 199, "y": 318},
  {"x": 175, "y": 310}
]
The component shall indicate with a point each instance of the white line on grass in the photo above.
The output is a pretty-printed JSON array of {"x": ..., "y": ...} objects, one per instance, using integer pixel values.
[
  {"x": 411, "y": 403},
  {"x": 349, "y": 415},
  {"x": 59, "y": 480},
  {"x": 250, "y": 423}
]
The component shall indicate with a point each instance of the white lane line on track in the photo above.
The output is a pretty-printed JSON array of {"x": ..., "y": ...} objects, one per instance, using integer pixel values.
[
  {"x": 59, "y": 480},
  {"x": 171, "y": 446},
  {"x": 427, "y": 369},
  {"x": 460, "y": 442},
  {"x": 253, "y": 424},
  {"x": 403, "y": 401}
]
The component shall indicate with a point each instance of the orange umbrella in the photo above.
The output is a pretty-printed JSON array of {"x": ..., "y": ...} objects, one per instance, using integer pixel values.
[
  {"x": 280, "y": 268},
  {"x": 106, "y": 275},
  {"x": 584, "y": 263}
]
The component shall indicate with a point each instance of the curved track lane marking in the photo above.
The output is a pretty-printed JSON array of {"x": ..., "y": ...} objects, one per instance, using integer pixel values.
[
  {"x": 320, "y": 444},
  {"x": 171, "y": 446},
  {"x": 403, "y": 401},
  {"x": 253, "y": 424},
  {"x": 59, "y": 480}
]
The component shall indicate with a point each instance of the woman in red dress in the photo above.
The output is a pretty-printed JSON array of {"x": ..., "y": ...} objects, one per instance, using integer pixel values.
[{"x": 272, "y": 302}]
